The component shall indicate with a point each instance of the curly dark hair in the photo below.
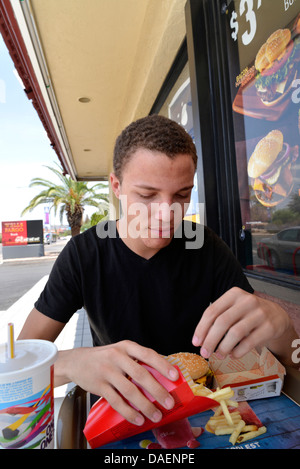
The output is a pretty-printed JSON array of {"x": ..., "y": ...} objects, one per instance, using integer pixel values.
[{"x": 155, "y": 133}]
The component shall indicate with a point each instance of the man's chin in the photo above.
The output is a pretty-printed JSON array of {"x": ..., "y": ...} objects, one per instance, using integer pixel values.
[
  {"x": 157, "y": 243},
  {"x": 161, "y": 234}
]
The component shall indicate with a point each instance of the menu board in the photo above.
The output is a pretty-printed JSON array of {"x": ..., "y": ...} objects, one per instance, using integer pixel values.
[{"x": 263, "y": 47}]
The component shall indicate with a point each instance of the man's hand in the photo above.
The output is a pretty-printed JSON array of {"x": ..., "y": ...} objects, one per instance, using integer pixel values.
[
  {"x": 104, "y": 371},
  {"x": 239, "y": 321}
]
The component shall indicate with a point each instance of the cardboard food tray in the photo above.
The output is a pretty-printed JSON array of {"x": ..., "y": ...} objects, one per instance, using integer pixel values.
[
  {"x": 104, "y": 425},
  {"x": 255, "y": 376}
]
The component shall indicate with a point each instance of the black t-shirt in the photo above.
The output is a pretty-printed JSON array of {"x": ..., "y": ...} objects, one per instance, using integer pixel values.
[{"x": 156, "y": 303}]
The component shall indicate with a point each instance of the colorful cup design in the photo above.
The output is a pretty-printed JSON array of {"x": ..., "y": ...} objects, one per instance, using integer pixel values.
[{"x": 26, "y": 395}]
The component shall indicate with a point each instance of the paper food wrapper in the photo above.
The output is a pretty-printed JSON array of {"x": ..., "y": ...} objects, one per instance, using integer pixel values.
[
  {"x": 255, "y": 376},
  {"x": 104, "y": 425}
]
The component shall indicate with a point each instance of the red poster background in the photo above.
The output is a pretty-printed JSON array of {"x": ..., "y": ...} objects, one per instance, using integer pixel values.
[{"x": 14, "y": 233}]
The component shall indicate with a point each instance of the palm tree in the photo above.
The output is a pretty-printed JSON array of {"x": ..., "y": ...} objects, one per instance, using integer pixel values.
[{"x": 70, "y": 197}]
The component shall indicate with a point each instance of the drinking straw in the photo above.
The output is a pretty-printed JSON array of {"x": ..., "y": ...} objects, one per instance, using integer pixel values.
[{"x": 10, "y": 341}]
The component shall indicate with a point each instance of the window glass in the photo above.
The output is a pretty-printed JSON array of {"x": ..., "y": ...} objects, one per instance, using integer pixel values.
[
  {"x": 263, "y": 46},
  {"x": 178, "y": 107}
]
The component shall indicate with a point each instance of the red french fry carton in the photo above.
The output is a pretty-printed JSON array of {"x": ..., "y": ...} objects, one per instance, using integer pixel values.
[{"x": 105, "y": 425}]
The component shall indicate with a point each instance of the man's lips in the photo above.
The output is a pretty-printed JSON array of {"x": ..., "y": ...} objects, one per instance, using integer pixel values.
[{"x": 160, "y": 232}]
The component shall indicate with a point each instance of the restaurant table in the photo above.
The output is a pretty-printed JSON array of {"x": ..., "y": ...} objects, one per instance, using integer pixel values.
[{"x": 281, "y": 416}]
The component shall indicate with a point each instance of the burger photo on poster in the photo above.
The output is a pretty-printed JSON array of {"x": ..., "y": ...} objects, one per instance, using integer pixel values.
[
  {"x": 277, "y": 64},
  {"x": 270, "y": 169}
]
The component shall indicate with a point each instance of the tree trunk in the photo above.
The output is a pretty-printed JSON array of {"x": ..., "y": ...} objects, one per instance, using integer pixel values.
[
  {"x": 75, "y": 230},
  {"x": 75, "y": 219}
]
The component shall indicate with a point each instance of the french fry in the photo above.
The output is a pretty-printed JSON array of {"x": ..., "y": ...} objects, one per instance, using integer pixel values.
[
  {"x": 224, "y": 430},
  {"x": 226, "y": 412},
  {"x": 222, "y": 416},
  {"x": 229, "y": 430},
  {"x": 216, "y": 422},
  {"x": 222, "y": 419},
  {"x": 214, "y": 425},
  {"x": 249, "y": 428},
  {"x": 225, "y": 393},
  {"x": 232, "y": 403},
  {"x": 250, "y": 435},
  {"x": 237, "y": 432},
  {"x": 218, "y": 412},
  {"x": 224, "y": 422},
  {"x": 200, "y": 391}
]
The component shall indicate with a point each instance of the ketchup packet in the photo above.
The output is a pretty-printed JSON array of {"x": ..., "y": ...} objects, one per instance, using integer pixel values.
[
  {"x": 176, "y": 435},
  {"x": 105, "y": 425}
]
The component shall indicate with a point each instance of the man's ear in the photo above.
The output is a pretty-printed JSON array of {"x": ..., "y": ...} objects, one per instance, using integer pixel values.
[{"x": 115, "y": 185}]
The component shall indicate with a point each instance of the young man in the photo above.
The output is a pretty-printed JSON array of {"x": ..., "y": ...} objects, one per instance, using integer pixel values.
[{"x": 146, "y": 291}]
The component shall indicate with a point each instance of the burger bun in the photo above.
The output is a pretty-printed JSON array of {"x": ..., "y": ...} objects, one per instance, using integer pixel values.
[
  {"x": 272, "y": 49},
  {"x": 265, "y": 153},
  {"x": 193, "y": 363}
]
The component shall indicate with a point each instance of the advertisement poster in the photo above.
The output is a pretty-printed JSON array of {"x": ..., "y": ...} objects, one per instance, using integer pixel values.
[
  {"x": 20, "y": 233},
  {"x": 14, "y": 233},
  {"x": 263, "y": 45},
  {"x": 180, "y": 110}
]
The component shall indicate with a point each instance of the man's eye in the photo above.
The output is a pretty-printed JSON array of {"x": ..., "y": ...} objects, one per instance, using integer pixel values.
[
  {"x": 146, "y": 196},
  {"x": 183, "y": 196}
]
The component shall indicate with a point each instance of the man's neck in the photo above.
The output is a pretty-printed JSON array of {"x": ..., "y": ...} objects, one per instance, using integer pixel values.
[{"x": 134, "y": 244}]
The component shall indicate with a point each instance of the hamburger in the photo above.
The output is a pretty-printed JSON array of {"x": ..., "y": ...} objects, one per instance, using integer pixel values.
[
  {"x": 197, "y": 367},
  {"x": 270, "y": 169},
  {"x": 277, "y": 62}
]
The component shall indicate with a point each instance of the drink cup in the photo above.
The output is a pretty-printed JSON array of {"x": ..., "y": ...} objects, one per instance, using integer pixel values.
[{"x": 26, "y": 395}]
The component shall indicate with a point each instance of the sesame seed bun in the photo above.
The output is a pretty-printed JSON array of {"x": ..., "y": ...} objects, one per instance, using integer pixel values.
[
  {"x": 265, "y": 153},
  {"x": 194, "y": 364},
  {"x": 272, "y": 48}
]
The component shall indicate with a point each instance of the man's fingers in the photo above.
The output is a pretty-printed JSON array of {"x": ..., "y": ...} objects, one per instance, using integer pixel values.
[
  {"x": 211, "y": 314},
  {"x": 226, "y": 322},
  {"x": 151, "y": 358},
  {"x": 144, "y": 379},
  {"x": 136, "y": 384},
  {"x": 120, "y": 405},
  {"x": 254, "y": 339}
]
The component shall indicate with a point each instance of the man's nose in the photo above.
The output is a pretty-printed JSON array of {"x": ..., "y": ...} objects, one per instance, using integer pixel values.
[{"x": 164, "y": 211}]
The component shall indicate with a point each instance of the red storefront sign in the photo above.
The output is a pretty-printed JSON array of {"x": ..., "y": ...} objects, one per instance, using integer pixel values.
[{"x": 14, "y": 233}]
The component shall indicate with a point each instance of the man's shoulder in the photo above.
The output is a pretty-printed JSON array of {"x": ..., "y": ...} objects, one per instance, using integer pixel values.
[{"x": 103, "y": 230}]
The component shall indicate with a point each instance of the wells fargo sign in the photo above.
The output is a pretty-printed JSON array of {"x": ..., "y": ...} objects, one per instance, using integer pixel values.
[{"x": 20, "y": 233}]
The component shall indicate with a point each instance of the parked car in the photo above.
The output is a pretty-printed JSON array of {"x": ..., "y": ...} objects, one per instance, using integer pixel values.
[{"x": 282, "y": 250}]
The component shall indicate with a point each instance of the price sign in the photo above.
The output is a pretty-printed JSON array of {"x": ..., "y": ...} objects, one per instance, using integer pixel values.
[
  {"x": 246, "y": 8},
  {"x": 251, "y": 23}
]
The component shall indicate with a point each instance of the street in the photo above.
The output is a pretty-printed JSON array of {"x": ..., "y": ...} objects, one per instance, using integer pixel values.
[{"x": 18, "y": 276}]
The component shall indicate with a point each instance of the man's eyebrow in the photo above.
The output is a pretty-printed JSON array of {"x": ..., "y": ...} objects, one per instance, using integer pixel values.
[{"x": 151, "y": 188}]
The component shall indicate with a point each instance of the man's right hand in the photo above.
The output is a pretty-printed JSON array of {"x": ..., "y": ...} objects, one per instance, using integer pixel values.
[{"x": 104, "y": 371}]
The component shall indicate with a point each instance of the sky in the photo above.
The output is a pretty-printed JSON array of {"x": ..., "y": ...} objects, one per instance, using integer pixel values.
[{"x": 24, "y": 148}]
